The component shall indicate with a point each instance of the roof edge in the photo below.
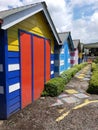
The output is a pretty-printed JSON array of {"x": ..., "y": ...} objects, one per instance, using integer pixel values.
[
  {"x": 64, "y": 32},
  {"x": 76, "y": 40},
  {"x": 51, "y": 23},
  {"x": 17, "y": 17}
]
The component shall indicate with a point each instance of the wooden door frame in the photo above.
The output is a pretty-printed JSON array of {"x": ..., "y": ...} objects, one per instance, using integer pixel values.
[{"x": 32, "y": 59}]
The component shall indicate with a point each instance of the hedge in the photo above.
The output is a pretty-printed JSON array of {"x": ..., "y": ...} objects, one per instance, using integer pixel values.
[
  {"x": 96, "y": 60},
  {"x": 93, "y": 85},
  {"x": 54, "y": 86},
  {"x": 68, "y": 74},
  {"x": 57, "y": 85},
  {"x": 94, "y": 67}
]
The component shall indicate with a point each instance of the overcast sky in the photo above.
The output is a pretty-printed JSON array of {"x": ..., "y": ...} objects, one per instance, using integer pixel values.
[{"x": 78, "y": 16}]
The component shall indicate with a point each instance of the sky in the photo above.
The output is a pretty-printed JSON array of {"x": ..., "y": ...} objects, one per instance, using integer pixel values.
[{"x": 80, "y": 17}]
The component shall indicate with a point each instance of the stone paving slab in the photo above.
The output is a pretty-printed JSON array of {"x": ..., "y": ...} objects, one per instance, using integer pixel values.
[
  {"x": 59, "y": 102},
  {"x": 87, "y": 76},
  {"x": 71, "y": 91},
  {"x": 70, "y": 100},
  {"x": 87, "y": 79},
  {"x": 80, "y": 77},
  {"x": 70, "y": 86},
  {"x": 63, "y": 95},
  {"x": 81, "y": 95},
  {"x": 81, "y": 91},
  {"x": 82, "y": 74}
]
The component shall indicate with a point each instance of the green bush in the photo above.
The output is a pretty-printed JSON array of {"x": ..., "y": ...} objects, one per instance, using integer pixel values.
[
  {"x": 80, "y": 66},
  {"x": 96, "y": 60},
  {"x": 93, "y": 67},
  {"x": 93, "y": 85},
  {"x": 54, "y": 86},
  {"x": 68, "y": 74},
  {"x": 57, "y": 85}
]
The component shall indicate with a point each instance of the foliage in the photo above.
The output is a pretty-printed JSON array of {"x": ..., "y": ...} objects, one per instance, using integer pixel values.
[
  {"x": 54, "y": 86},
  {"x": 96, "y": 60},
  {"x": 68, "y": 74},
  {"x": 93, "y": 67},
  {"x": 57, "y": 85},
  {"x": 80, "y": 66},
  {"x": 93, "y": 85}
]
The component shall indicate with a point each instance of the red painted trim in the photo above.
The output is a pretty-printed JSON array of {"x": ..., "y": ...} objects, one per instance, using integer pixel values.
[
  {"x": 1, "y": 21},
  {"x": 72, "y": 61},
  {"x": 47, "y": 64},
  {"x": 73, "y": 54}
]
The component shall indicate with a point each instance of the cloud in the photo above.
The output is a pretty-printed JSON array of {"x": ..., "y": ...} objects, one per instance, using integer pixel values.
[
  {"x": 86, "y": 29},
  {"x": 60, "y": 14},
  {"x": 81, "y": 3},
  {"x": 83, "y": 27},
  {"x": 5, "y": 3}
]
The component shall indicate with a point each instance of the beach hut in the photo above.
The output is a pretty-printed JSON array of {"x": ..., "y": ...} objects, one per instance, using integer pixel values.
[
  {"x": 62, "y": 53},
  {"x": 81, "y": 54},
  {"x": 76, "y": 53},
  {"x": 27, "y": 38}
]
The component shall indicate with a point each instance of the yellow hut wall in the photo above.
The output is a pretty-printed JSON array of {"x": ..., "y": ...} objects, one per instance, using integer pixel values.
[{"x": 35, "y": 24}]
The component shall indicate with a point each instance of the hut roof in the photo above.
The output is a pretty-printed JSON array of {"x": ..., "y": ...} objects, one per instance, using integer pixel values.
[
  {"x": 13, "y": 16},
  {"x": 64, "y": 36}
]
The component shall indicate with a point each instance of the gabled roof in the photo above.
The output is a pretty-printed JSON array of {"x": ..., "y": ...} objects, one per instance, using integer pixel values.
[
  {"x": 5, "y": 13},
  {"x": 76, "y": 43},
  {"x": 65, "y": 36},
  {"x": 16, "y": 15}
]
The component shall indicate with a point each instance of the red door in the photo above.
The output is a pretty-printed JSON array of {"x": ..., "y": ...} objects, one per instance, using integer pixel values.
[
  {"x": 38, "y": 45},
  {"x": 47, "y": 56},
  {"x": 26, "y": 67}
]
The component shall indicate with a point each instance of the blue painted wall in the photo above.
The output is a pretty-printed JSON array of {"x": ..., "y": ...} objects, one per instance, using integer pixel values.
[
  {"x": 67, "y": 56},
  {"x": 14, "y": 96},
  {"x": 9, "y": 102},
  {"x": 2, "y": 78},
  {"x": 62, "y": 58},
  {"x": 52, "y": 66}
]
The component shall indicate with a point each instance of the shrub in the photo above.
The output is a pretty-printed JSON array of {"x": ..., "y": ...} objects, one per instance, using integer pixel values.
[
  {"x": 93, "y": 67},
  {"x": 93, "y": 85},
  {"x": 96, "y": 60},
  {"x": 80, "y": 66},
  {"x": 57, "y": 85},
  {"x": 68, "y": 74},
  {"x": 54, "y": 86}
]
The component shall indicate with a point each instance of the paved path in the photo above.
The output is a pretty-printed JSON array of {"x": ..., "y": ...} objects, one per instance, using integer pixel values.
[{"x": 75, "y": 95}]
